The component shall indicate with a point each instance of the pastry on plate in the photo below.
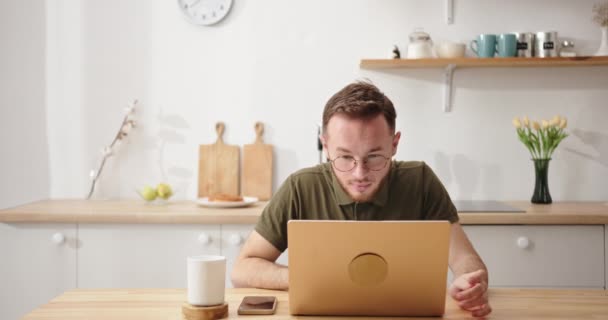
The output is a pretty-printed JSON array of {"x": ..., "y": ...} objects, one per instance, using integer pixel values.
[{"x": 225, "y": 197}]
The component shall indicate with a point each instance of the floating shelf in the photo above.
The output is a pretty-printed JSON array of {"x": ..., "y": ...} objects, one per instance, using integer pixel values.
[
  {"x": 449, "y": 65},
  {"x": 482, "y": 62}
]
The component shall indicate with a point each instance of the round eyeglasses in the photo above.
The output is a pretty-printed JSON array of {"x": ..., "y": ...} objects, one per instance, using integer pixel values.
[{"x": 374, "y": 162}]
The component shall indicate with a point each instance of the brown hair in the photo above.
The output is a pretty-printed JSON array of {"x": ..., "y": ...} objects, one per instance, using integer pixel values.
[{"x": 360, "y": 100}]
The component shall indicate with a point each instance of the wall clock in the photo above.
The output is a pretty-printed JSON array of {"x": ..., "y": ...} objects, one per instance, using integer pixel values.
[{"x": 205, "y": 12}]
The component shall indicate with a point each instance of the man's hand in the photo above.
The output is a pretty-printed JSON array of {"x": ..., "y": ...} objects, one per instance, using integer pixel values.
[{"x": 470, "y": 292}]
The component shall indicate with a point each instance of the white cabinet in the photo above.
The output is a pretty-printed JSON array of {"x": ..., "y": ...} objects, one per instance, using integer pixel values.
[
  {"x": 152, "y": 256},
  {"x": 38, "y": 263},
  {"x": 283, "y": 258},
  {"x": 141, "y": 256},
  {"x": 233, "y": 238},
  {"x": 541, "y": 256}
]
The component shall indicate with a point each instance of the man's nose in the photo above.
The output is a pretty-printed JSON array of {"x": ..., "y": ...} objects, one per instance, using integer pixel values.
[{"x": 360, "y": 170}]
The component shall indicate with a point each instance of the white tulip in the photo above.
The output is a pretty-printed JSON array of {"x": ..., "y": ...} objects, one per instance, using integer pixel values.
[
  {"x": 545, "y": 124},
  {"x": 516, "y": 123}
]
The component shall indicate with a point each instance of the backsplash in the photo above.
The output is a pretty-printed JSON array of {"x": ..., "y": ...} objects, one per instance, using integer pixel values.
[{"x": 278, "y": 62}]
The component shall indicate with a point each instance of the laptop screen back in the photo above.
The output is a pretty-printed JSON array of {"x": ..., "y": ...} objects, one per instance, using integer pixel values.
[{"x": 371, "y": 268}]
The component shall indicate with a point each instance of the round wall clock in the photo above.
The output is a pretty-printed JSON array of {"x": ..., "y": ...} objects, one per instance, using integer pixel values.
[{"x": 205, "y": 12}]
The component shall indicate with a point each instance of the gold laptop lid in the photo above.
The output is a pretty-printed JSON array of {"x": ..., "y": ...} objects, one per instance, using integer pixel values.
[{"x": 371, "y": 268}]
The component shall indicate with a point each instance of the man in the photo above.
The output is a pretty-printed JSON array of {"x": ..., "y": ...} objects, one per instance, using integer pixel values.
[{"x": 360, "y": 182}]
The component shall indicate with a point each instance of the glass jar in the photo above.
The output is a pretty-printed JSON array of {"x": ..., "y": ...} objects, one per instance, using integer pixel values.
[{"x": 420, "y": 46}]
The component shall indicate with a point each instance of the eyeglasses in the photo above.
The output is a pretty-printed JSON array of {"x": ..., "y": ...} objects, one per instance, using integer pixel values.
[{"x": 374, "y": 162}]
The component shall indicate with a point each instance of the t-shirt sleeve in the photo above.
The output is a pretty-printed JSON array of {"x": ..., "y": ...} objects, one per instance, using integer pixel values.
[
  {"x": 437, "y": 203},
  {"x": 272, "y": 224}
]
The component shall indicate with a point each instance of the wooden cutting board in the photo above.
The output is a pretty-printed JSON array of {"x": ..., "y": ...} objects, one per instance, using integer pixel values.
[
  {"x": 218, "y": 167},
  {"x": 257, "y": 167}
]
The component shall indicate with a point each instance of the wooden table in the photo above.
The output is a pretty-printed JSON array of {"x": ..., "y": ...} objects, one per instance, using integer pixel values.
[{"x": 110, "y": 304}]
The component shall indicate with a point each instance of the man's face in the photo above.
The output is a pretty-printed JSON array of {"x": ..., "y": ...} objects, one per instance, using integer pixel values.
[{"x": 359, "y": 139}]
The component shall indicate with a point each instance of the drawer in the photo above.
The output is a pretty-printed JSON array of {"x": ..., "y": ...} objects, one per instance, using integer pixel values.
[
  {"x": 541, "y": 255},
  {"x": 141, "y": 255}
]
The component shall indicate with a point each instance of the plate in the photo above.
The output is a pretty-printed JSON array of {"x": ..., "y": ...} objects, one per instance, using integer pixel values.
[{"x": 247, "y": 201}]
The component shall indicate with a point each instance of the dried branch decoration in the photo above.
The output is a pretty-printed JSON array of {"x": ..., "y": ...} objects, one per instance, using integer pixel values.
[
  {"x": 125, "y": 127},
  {"x": 600, "y": 16}
]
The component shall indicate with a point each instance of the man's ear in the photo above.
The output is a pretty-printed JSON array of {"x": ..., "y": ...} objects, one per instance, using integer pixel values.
[
  {"x": 396, "y": 141},
  {"x": 323, "y": 140}
]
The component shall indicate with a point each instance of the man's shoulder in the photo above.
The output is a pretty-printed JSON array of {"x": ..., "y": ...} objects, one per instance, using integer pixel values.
[
  {"x": 410, "y": 171},
  {"x": 409, "y": 166},
  {"x": 311, "y": 174}
]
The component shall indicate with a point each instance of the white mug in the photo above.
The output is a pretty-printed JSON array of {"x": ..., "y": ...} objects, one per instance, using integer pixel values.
[
  {"x": 206, "y": 280},
  {"x": 450, "y": 50}
]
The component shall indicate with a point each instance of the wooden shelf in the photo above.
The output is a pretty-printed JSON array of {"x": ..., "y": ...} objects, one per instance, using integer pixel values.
[
  {"x": 449, "y": 65},
  {"x": 482, "y": 62}
]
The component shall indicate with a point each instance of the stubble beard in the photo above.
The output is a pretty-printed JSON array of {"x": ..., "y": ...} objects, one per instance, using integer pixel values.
[{"x": 368, "y": 194}]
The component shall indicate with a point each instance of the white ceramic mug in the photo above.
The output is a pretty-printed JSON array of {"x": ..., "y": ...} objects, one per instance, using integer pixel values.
[
  {"x": 450, "y": 50},
  {"x": 206, "y": 280}
]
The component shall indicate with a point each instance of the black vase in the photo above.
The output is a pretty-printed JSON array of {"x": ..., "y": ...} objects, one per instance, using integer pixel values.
[{"x": 541, "y": 188}]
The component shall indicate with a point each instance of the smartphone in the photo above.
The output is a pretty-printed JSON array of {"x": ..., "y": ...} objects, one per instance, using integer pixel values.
[{"x": 258, "y": 305}]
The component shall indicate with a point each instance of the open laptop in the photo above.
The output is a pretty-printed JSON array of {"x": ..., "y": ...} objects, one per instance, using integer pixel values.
[{"x": 368, "y": 268}]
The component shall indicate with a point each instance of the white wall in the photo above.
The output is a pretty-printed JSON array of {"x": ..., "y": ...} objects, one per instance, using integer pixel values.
[
  {"x": 24, "y": 172},
  {"x": 279, "y": 61}
]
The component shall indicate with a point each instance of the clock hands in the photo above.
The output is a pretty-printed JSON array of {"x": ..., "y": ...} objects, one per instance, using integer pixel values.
[{"x": 190, "y": 5}]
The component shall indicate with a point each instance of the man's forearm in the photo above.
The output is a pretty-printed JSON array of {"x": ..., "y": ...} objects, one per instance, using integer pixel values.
[
  {"x": 463, "y": 257},
  {"x": 468, "y": 263},
  {"x": 260, "y": 273}
]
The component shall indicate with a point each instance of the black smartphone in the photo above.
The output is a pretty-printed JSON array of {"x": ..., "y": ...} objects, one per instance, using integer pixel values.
[{"x": 258, "y": 305}]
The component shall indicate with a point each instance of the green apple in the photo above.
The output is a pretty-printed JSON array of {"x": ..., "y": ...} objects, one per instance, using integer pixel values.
[
  {"x": 164, "y": 190},
  {"x": 148, "y": 193}
]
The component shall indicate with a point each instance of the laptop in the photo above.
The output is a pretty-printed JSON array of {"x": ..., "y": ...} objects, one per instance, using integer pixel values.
[{"x": 368, "y": 268}]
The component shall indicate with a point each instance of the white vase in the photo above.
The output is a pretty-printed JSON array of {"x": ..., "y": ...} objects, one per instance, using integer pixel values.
[{"x": 603, "y": 50}]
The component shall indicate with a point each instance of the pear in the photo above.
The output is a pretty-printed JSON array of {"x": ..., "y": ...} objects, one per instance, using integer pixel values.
[
  {"x": 164, "y": 191},
  {"x": 148, "y": 193}
]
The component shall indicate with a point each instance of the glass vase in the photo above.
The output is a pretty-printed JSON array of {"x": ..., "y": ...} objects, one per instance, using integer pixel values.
[{"x": 541, "y": 188}]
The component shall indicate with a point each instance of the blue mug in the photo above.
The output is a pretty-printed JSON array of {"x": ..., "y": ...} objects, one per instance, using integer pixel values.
[
  {"x": 484, "y": 45},
  {"x": 506, "y": 45}
]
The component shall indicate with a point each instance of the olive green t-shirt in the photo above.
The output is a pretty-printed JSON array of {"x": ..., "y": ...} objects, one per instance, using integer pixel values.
[{"x": 411, "y": 191}]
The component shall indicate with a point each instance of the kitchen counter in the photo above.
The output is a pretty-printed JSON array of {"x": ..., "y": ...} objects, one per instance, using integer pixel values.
[
  {"x": 128, "y": 211},
  {"x": 187, "y": 212},
  {"x": 109, "y": 304}
]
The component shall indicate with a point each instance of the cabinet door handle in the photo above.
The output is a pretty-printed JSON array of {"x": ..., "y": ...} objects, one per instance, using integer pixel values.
[
  {"x": 523, "y": 242},
  {"x": 58, "y": 238},
  {"x": 204, "y": 239},
  {"x": 235, "y": 239}
]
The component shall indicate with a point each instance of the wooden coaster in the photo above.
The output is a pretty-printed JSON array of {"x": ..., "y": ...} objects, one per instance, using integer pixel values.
[{"x": 191, "y": 312}]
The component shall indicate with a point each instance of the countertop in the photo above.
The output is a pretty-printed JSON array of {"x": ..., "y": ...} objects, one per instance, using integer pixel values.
[
  {"x": 187, "y": 212},
  {"x": 151, "y": 304}
]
